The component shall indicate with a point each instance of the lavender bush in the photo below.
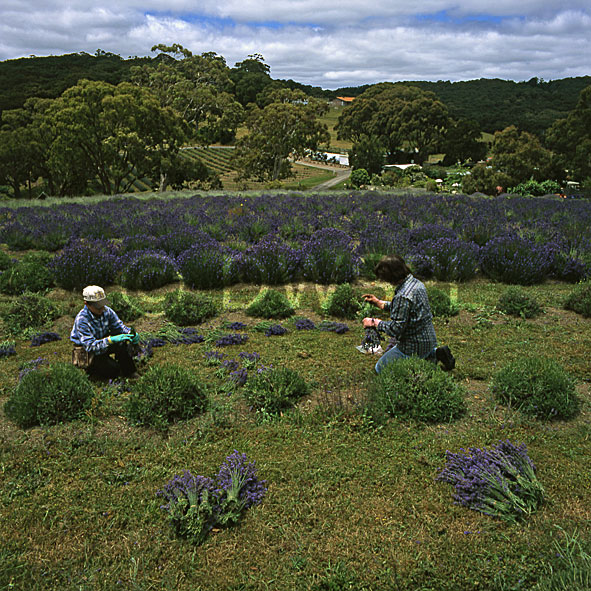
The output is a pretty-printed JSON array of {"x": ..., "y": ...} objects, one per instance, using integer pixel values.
[
  {"x": 500, "y": 482},
  {"x": 197, "y": 504},
  {"x": 448, "y": 259},
  {"x": 147, "y": 270},
  {"x": 270, "y": 262},
  {"x": 206, "y": 265}
]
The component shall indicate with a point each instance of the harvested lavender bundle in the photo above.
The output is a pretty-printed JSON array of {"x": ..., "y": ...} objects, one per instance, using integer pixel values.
[
  {"x": 500, "y": 482},
  {"x": 371, "y": 342}
]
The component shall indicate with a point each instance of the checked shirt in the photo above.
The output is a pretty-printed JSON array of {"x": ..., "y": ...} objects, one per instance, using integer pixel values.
[
  {"x": 411, "y": 321},
  {"x": 92, "y": 331}
]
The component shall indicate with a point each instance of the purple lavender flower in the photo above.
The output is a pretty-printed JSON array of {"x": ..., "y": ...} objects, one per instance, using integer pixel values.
[
  {"x": 304, "y": 324},
  {"x": 329, "y": 325},
  {"x": 44, "y": 337},
  {"x": 231, "y": 339},
  {"x": 275, "y": 330},
  {"x": 213, "y": 357},
  {"x": 239, "y": 376}
]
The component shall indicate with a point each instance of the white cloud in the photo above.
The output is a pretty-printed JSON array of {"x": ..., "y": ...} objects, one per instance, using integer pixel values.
[{"x": 353, "y": 43}]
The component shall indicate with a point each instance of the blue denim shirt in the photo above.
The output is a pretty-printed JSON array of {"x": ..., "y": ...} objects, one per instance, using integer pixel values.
[
  {"x": 411, "y": 321},
  {"x": 92, "y": 332}
]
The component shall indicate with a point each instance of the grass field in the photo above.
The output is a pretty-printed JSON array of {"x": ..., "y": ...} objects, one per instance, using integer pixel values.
[{"x": 349, "y": 505}]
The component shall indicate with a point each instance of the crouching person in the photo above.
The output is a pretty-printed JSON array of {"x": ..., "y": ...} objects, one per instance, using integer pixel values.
[{"x": 102, "y": 343}]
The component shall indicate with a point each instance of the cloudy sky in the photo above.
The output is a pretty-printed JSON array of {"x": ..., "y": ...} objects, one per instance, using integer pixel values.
[{"x": 322, "y": 42}]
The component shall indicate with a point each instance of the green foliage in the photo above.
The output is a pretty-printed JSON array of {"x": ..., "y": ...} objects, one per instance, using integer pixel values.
[
  {"x": 579, "y": 300},
  {"x": 359, "y": 178},
  {"x": 50, "y": 395},
  {"x": 515, "y": 302},
  {"x": 166, "y": 394},
  {"x": 126, "y": 307},
  {"x": 440, "y": 302},
  {"x": 270, "y": 304},
  {"x": 31, "y": 274},
  {"x": 5, "y": 261},
  {"x": 485, "y": 179},
  {"x": 367, "y": 153},
  {"x": 185, "y": 308},
  {"x": 30, "y": 310},
  {"x": 416, "y": 389},
  {"x": 535, "y": 188},
  {"x": 272, "y": 390},
  {"x": 537, "y": 386},
  {"x": 342, "y": 303}
]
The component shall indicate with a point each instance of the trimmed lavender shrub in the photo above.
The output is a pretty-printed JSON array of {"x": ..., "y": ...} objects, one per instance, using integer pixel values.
[
  {"x": 85, "y": 262},
  {"x": 500, "y": 482},
  {"x": 416, "y": 389},
  {"x": 166, "y": 394},
  {"x": 329, "y": 257},
  {"x": 31, "y": 274},
  {"x": 30, "y": 310},
  {"x": 579, "y": 300},
  {"x": 270, "y": 261},
  {"x": 50, "y": 395},
  {"x": 342, "y": 303},
  {"x": 270, "y": 304},
  {"x": 440, "y": 303},
  {"x": 448, "y": 259},
  {"x": 125, "y": 306},
  {"x": 187, "y": 307},
  {"x": 513, "y": 259},
  {"x": 515, "y": 302},
  {"x": 537, "y": 386},
  {"x": 147, "y": 270},
  {"x": 273, "y": 390}
]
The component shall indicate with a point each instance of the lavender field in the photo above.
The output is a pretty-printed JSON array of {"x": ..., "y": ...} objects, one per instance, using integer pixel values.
[{"x": 340, "y": 499}]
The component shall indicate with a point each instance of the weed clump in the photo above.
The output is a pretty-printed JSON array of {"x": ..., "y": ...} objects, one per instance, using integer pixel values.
[
  {"x": 416, "y": 389},
  {"x": 515, "y": 302},
  {"x": 166, "y": 394},
  {"x": 30, "y": 311},
  {"x": 185, "y": 308},
  {"x": 126, "y": 307},
  {"x": 440, "y": 302},
  {"x": 579, "y": 300},
  {"x": 272, "y": 390},
  {"x": 342, "y": 303},
  {"x": 270, "y": 304},
  {"x": 50, "y": 395},
  {"x": 538, "y": 387}
]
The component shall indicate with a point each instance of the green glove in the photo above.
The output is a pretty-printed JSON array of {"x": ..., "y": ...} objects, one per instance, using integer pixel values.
[{"x": 119, "y": 338}]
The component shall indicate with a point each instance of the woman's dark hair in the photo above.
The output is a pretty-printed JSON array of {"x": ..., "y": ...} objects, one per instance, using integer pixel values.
[{"x": 392, "y": 269}]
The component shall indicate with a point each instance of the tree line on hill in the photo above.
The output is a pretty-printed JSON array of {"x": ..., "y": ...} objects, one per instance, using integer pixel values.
[{"x": 118, "y": 120}]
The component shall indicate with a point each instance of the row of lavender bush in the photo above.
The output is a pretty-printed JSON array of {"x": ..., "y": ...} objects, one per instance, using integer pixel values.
[{"x": 219, "y": 240}]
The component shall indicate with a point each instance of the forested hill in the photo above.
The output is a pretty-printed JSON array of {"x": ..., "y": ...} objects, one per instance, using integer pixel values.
[{"x": 532, "y": 106}]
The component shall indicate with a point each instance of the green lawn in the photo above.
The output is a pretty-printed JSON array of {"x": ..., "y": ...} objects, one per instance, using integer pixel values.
[{"x": 349, "y": 505}]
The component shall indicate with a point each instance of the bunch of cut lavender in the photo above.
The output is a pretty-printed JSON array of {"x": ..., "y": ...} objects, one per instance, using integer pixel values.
[
  {"x": 249, "y": 360},
  {"x": 275, "y": 330},
  {"x": 304, "y": 324},
  {"x": 238, "y": 487},
  {"x": 31, "y": 365},
  {"x": 239, "y": 376},
  {"x": 187, "y": 336},
  {"x": 192, "y": 505},
  {"x": 197, "y": 504},
  {"x": 44, "y": 337},
  {"x": 213, "y": 358},
  {"x": 500, "y": 482},
  {"x": 231, "y": 339},
  {"x": 329, "y": 325}
]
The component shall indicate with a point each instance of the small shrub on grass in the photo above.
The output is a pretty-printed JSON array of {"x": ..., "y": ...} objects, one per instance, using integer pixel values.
[
  {"x": 440, "y": 302},
  {"x": 500, "y": 482},
  {"x": 5, "y": 261},
  {"x": 416, "y": 389},
  {"x": 537, "y": 386},
  {"x": 579, "y": 300},
  {"x": 165, "y": 394},
  {"x": 342, "y": 303},
  {"x": 185, "y": 307},
  {"x": 147, "y": 270},
  {"x": 515, "y": 302},
  {"x": 30, "y": 310},
  {"x": 271, "y": 390},
  {"x": 50, "y": 395},
  {"x": 29, "y": 275},
  {"x": 126, "y": 307},
  {"x": 270, "y": 304}
]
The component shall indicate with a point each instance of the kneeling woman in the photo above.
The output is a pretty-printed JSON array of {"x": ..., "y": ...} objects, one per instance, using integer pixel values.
[{"x": 411, "y": 321}]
